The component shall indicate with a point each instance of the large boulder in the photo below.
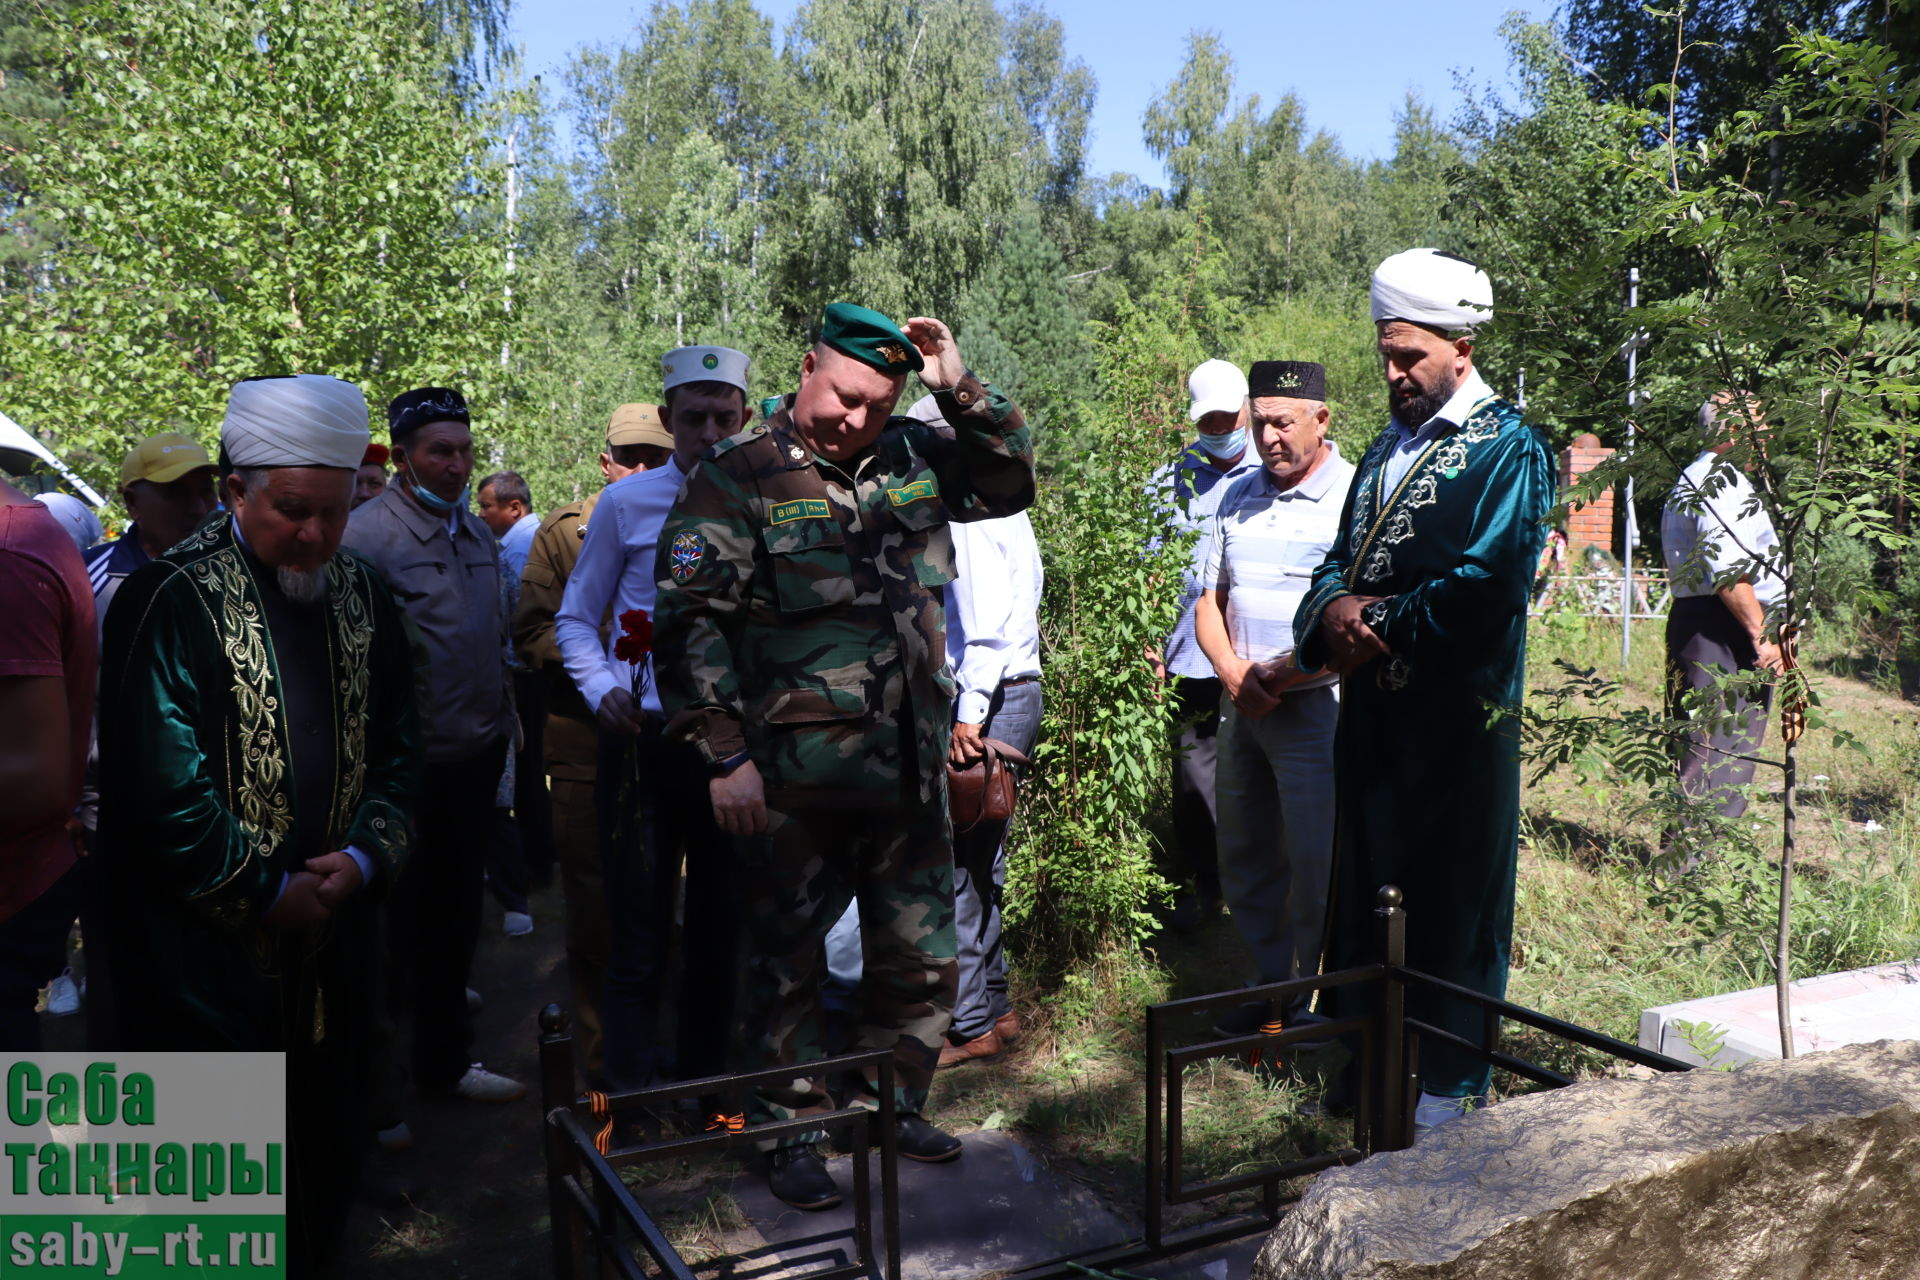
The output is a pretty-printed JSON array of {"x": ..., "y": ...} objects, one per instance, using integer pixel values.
[{"x": 1799, "y": 1170}]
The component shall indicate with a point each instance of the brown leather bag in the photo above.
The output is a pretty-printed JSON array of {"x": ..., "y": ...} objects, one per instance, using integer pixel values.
[{"x": 984, "y": 790}]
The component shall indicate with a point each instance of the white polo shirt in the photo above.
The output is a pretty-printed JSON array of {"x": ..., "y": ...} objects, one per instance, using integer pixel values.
[{"x": 1265, "y": 544}]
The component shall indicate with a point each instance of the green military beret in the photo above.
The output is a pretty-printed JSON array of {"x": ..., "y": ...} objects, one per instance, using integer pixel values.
[{"x": 869, "y": 337}]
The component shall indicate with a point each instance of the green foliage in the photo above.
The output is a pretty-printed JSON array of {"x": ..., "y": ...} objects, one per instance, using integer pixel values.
[
  {"x": 1785, "y": 303},
  {"x": 1019, "y": 320},
  {"x": 212, "y": 220},
  {"x": 31, "y": 96},
  {"x": 1081, "y": 877}
]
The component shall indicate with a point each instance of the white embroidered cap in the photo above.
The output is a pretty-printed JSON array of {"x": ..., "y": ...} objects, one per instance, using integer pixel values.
[{"x": 704, "y": 364}]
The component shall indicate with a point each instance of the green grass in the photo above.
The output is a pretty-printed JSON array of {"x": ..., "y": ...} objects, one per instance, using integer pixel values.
[{"x": 1595, "y": 941}]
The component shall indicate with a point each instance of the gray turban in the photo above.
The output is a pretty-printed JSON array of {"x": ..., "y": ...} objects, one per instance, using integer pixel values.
[
  {"x": 307, "y": 420},
  {"x": 1429, "y": 287}
]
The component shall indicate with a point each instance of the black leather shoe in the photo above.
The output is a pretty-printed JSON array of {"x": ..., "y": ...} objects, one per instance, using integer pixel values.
[
  {"x": 798, "y": 1176},
  {"x": 915, "y": 1139}
]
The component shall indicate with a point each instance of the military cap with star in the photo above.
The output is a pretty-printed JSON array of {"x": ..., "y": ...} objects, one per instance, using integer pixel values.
[
  {"x": 1290, "y": 379},
  {"x": 869, "y": 337}
]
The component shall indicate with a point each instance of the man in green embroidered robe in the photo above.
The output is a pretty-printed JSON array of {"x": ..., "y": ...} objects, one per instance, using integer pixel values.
[
  {"x": 1421, "y": 608},
  {"x": 259, "y": 745}
]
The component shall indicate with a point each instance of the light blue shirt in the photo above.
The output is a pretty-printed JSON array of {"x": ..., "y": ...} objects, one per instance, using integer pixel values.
[
  {"x": 615, "y": 570},
  {"x": 993, "y": 610},
  {"x": 1265, "y": 544},
  {"x": 1200, "y": 482},
  {"x": 515, "y": 545}
]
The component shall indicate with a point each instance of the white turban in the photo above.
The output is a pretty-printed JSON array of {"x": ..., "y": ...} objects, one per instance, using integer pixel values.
[
  {"x": 1427, "y": 286},
  {"x": 307, "y": 420}
]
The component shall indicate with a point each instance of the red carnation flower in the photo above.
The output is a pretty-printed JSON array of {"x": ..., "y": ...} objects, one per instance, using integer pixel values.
[{"x": 636, "y": 637}]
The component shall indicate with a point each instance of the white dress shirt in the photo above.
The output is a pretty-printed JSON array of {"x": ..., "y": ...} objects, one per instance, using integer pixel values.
[
  {"x": 1716, "y": 522},
  {"x": 615, "y": 569},
  {"x": 993, "y": 610},
  {"x": 1412, "y": 443}
]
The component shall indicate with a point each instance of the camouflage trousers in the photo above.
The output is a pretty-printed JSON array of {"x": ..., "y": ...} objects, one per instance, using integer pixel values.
[{"x": 799, "y": 878}]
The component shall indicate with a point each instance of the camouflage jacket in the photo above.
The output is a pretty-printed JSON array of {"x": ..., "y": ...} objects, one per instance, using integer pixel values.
[{"x": 800, "y": 613}]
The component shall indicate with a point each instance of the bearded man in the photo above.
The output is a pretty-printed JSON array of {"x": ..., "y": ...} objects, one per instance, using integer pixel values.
[
  {"x": 1421, "y": 610},
  {"x": 260, "y": 744}
]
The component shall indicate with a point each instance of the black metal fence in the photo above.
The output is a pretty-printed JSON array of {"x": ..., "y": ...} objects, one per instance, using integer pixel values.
[{"x": 600, "y": 1229}]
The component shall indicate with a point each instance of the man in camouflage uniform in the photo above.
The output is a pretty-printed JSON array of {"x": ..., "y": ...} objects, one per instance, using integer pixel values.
[
  {"x": 636, "y": 440},
  {"x": 801, "y": 647}
]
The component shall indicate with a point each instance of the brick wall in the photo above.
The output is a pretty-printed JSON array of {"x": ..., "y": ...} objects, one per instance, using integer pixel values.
[{"x": 1591, "y": 525}]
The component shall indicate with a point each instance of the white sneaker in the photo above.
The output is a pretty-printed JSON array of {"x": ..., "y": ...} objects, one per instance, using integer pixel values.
[
  {"x": 519, "y": 924},
  {"x": 63, "y": 995},
  {"x": 473, "y": 1000},
  {"x": 398, "y": 1138},
  {"x": 481, "y": 1085},
  {"x": 1435, "y": 1110}
]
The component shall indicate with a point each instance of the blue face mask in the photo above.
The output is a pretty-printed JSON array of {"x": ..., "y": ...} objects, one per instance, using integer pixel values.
[
  {"x": 435, "y": 503},
  {"x": 1230, "y": 445}
]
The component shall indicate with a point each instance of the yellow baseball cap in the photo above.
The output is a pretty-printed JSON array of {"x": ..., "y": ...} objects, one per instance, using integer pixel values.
[
  {"x": 638, "y": 424},
  {"x": 163, "y": 459}
]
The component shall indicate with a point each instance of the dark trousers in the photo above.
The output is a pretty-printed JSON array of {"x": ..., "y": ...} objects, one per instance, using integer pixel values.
[
  {"x": 655, "y": 812},
  {"x": 532, "y": 802},
  {"x": 33, "y": 950},
  {"x": 571, "y": 747},
  {"x": 1197, "y": 719},
  {"x": 433, "y": 916},
  {"x": 506, "y": 860},
  {"x": 1703, "y": 639}
]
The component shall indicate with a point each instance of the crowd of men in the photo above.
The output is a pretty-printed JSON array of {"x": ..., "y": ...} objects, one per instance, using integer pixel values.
[{"x": 719, "y": 698}]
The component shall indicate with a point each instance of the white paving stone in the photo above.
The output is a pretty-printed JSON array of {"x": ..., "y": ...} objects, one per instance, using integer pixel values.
[{"x": 1858, "y": 1007}]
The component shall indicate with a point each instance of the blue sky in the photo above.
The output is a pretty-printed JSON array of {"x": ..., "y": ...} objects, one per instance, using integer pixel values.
[{"x": 1351, "y": 62}]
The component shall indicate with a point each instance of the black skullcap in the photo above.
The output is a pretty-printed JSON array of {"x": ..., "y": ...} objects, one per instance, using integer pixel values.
[
  {"x": 411, "y": 410},
  {"x": 1294, "y": 379}
]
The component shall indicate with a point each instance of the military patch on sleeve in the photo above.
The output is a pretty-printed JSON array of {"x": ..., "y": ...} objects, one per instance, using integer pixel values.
[
  {"x": 683, "y": 557},
  {"x": 799, "y": 509},
  {"x": 911, "y": 493}
]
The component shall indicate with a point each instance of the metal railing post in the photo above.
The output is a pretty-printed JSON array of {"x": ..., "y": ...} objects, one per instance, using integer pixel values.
[
  {"x": 1389, "y": 1077},
  {"x": 556, "y": 1090},
  {"x": 1156, "y": 1145}
]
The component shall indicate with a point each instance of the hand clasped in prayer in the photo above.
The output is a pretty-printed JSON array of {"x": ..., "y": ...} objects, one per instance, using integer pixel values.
[{"x": 1351, "y": 643}]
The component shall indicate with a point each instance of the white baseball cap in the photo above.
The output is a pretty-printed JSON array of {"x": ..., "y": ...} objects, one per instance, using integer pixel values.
[{"x": 1217, "y": 386}]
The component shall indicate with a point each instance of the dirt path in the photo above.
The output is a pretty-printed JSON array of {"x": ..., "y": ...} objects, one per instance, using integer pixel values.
[{"x": 480, "y": 1212}]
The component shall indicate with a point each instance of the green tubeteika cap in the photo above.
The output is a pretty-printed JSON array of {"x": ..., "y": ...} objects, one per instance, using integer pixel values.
[{"x": 869, "y": 337}]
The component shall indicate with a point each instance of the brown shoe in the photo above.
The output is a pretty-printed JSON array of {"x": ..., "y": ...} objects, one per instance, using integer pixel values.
[
  {"x": 1007, "y": 1027},
  {"x": 979, "y": 1049}
]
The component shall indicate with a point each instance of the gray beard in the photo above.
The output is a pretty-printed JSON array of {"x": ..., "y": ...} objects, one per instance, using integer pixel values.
[{"x": 303, "y": 586}]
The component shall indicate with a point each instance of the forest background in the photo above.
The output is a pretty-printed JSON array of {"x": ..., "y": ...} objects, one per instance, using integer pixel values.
[{"x": 194, "y": 191}]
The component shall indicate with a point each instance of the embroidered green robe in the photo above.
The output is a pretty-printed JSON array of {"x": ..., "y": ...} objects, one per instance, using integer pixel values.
[
  {"x": 202, "y": 813},
  {"x": 1427, "y": 795}
]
